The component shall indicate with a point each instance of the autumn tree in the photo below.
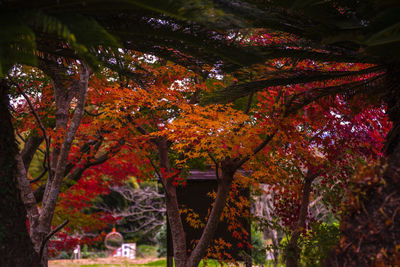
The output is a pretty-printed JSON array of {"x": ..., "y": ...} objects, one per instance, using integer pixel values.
[
  {"x": 341, "y": 31},
  {"x": 308, "y": 22},
  {"x": 143, "y": 109},
  {"x": 35, "y": 31},
  {"x": 40, "y": 120},
  {"x": 40, "y": 223},
  {"x": 323, "y": 145}
]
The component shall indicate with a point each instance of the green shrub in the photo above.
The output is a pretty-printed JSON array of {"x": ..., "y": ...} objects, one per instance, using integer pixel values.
[
  {"x": 146, "y": 251},
  {"x": 258, "y": 253},
  {"x": 161, "y": 238},
  {"x": 317, "y": 247}
]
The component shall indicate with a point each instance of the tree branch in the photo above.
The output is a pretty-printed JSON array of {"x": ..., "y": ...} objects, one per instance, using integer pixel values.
[
  {"x": 46, "y": 139},
  {"x": 249, "y": 102},
  {"x": 53, "y": 189},
  {"x": 58, "y": 228},
  {"x": 155, "y": 168},
  {"x": 31, "y": 145},
  {"x": 216, "y": 165},
  {"x": 258, "y": 148}
]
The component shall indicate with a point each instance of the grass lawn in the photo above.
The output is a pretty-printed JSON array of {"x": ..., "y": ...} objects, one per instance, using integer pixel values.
[
  {"x": 119, "y": 262},
  {"x": 109, "y": 262}
]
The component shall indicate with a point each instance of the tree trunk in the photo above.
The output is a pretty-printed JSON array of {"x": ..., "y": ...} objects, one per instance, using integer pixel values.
[
  {"x": 370, "y": 231},
  {"x": 263, "y": 209},
  {"x": 171, "y": 201},
  {"x": 41, "y": 223},
  {"x": 177, "y": 232},
  {"x": 293, "y": 251},
  {"x": 229, "y": 168},
  {"x": 16, "y": 248}
]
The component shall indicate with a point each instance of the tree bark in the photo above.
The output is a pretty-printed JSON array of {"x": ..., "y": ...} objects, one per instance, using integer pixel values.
[
  {"x": 293, "y": 251},
  {"x": 171, "y": 201},
  {"x": 370, "y": 229},
  {"x": 60, "y": 160},
  {"x": 229, "y": 167},
  {"x": 28, "y": 199},
  {"x": 16, "y": 248},
  {"x": 176, "y": 226},
  {"x": 41, "y": 222},
  {"x": 31, "y": 146}
]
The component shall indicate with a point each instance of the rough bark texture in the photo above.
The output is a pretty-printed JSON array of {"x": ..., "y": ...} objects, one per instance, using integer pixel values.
[
  {"x": 370, "y": 234},
  {"x": 65, "y": 88},
  {"x": 60, "y": 158},
  {"x": 171, "y": 201},
  {"x": 16, "y": 248},
  {"x": 175, "y": 222},
  {"x": 28, "y": 198}
]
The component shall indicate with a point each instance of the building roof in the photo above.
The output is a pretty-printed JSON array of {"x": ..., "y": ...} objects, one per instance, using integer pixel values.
[{"x": 201, "y": 175}]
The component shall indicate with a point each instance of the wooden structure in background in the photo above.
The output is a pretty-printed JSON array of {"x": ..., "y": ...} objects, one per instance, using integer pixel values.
[{"x": 195, "y": 196}]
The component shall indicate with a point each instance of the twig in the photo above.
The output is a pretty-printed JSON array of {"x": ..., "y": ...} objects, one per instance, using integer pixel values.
[
  {"x": 258, "y": 148},
  {"x": 46, "y": 139},
  {"x": 45, "y": 169},
  {"x": 249, "y": 102},
  {"x": 58, "y": 228},
  {"x": 20, "y": 136},
  {"x": 216, "y": 165},
  {"x": 39, "y": 177},
  {"x": 155, "y": 168},
  {"x": 92, "y": 114}
]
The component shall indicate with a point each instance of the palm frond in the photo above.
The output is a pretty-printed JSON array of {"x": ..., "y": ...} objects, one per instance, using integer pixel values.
[{"x": 236, "y": 91}]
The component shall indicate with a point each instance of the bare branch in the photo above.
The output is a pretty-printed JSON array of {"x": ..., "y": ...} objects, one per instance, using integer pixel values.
[
  {"x": 39, "y": 177},
  {"x": 58, "y": 228},
  {"x": 26, "y": 193},
  {"x": 31, "y": 146},
  {"x": 53, "y": 189},
  {"x": 258, "y": 148},
  {"x": 145, "y": 211},
  {"x": 249, "y": 102},
  {"x": 155, "y": 168},
  {"x": 216, "y": 165},
  {"x": 46, "y": 139}
]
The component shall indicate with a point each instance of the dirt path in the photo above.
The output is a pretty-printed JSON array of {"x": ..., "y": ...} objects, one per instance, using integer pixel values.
[{"x": 118, "y": 261}]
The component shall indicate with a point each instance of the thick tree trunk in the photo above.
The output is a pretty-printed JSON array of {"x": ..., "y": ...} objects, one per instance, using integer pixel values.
[
  {"x": 171, "y": 201},
  {"x": 293, "y": 251},
  {"x": 41, "y": 222},
  {"x": 16, "y": 248},
  {"x": 370, "y": 233},
  {"x": 177, "y": 232}
]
